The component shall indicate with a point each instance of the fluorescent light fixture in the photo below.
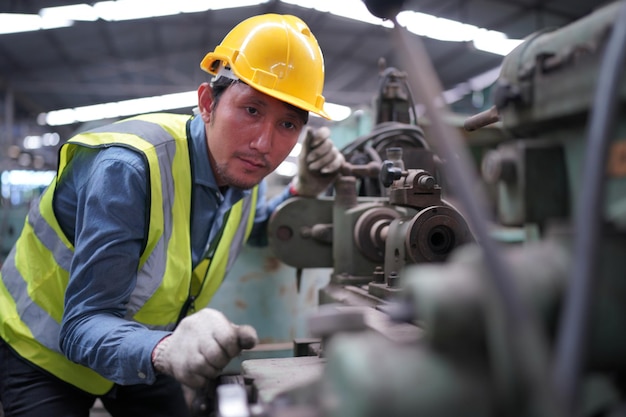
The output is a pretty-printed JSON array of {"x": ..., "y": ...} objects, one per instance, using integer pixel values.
[
  {"x": 80, "y": 12},
  {"x": 452, "y": 31},
  {"x": 437, "y": 27},
  {"x": 145, "y": 105},
  {"x": 18, "y": 22},
  {"x": 145, "y": 9},
  {"x": 119, "y": 108},
  {"x": 134, "y": 9},
  {"x": 141, "y": 9}
]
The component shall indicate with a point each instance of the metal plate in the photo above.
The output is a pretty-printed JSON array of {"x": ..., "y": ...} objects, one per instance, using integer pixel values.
[{"x": 290, "y": 232}]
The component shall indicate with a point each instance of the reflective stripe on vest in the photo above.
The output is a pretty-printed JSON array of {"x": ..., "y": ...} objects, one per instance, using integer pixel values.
[{"x": 35, "y": 274}]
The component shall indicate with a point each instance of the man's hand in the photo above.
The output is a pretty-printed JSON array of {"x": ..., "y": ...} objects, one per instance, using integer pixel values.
[
  {"x": 318, "y": 164},
  {"x": 201, "y": 346}
]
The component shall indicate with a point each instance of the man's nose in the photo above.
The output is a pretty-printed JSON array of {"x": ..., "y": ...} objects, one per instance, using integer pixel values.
[{"x": 263, "y": 140}]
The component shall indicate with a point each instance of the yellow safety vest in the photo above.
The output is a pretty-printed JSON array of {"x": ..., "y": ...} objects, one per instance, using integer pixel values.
[{"x": 35, "y": 274}]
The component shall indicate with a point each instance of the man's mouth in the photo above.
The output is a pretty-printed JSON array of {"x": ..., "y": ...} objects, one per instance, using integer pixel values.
[{"x": 255, "y": 162}]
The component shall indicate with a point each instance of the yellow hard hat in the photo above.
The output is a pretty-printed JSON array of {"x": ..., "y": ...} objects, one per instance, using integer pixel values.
[{"x": 277, "y": 55}]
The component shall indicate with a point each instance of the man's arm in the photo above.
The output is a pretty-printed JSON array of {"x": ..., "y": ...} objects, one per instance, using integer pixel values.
[{"x": 101, "y": 205}]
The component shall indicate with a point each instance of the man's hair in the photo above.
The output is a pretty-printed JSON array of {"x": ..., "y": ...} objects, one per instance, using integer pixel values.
[{"x": 222, "y": 83}]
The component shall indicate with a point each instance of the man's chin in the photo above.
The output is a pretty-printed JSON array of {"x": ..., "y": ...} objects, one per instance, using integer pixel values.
[{"x": 243, "y": 183}]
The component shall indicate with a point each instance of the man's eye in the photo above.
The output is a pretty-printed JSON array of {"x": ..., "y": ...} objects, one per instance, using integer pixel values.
[{"x": 252, "y": 110}]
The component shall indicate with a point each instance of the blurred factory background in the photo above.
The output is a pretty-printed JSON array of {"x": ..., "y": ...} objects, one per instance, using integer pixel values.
[{"x": 67, "y": 66}]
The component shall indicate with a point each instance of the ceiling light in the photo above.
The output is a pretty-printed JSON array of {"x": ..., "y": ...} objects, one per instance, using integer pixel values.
[
  {"x": 80, "y": 12},
  {"x": 119, "y": 109},
  {"x": 450, "y": 30},
  {"x": 134, "y": 9},
  {"x": 140, "y": 9},
  {"x": 436, "y": 27},
  {"x": 18, "y": 22}
]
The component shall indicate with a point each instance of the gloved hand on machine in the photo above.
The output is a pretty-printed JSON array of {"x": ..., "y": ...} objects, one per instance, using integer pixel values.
[
  {"x": 201, "y": 346},
  {"x": 318, "y": 164}
]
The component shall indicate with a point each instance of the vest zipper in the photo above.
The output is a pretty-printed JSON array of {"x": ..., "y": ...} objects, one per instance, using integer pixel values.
[{"x": 188, "y": 305}]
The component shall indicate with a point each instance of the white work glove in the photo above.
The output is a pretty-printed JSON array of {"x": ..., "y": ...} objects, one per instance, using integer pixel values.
[
  {"x": 201, "y": 346},
  {"x": 318, "y": 164}
]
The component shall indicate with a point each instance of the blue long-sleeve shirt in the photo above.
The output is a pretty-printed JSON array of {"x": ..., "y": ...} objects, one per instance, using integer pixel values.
[{"x": 100, "y": 203}]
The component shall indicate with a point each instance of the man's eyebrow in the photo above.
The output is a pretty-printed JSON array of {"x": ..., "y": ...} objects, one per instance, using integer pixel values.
[
  {"x": 291, "y": 109},
  {"x": 258, "y": 101},
  {"x": 295, "y": 111}
]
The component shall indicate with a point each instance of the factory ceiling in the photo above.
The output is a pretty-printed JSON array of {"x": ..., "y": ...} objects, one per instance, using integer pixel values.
[{"x": 101, "y": 61}]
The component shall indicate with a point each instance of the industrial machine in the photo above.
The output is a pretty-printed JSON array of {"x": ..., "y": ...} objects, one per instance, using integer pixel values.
[
  {"x": 369, "y": 240},
  {"x": 427, "y": 312}
]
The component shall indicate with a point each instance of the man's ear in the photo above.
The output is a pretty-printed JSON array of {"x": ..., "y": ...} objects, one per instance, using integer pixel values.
[{"x": 205, "y": 101}]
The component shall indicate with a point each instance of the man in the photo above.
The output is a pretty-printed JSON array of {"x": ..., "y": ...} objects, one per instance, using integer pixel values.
[{"x": 104, "y": 294}]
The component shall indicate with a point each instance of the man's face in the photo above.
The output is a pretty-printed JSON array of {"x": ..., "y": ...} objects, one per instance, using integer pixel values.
[{"x": 248, "y": 134}]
